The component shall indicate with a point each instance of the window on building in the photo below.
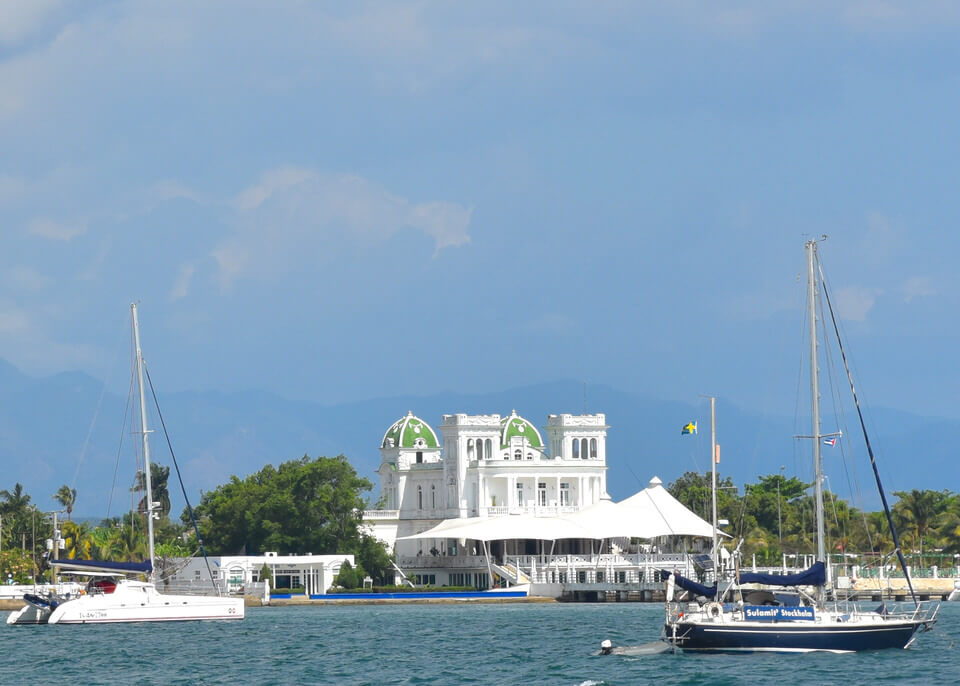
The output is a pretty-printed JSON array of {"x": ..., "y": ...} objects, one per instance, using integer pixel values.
[
  {"x": 529, "y": 456},
  {"x": 470, "y": 452},
  {"x": 433, "y": 496},
  {"x": 583, "y": 449},
  {"x": 576, "y": 447},
  {"x": 581, "y": 577},
  {"x": 489, "y": 448},
  {"x": 419, "y": 498},
  {"x": 479, "y": 449},
  {"x": 542, "y": 494},
  {"x": 419, "y": 457},
  {"x": 518, "y": 454},
  {"x": 593, "y": 448},
  {"x": 519, "y": 494},
  {"x": 599, "y": 576},
  {"x": 564, "y": 494}
]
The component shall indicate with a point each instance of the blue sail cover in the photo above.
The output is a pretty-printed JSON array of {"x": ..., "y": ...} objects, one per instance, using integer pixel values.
[
  {"x": 815, "y": 576},
  {"x": 104, "y": 566},
  {"x": 690, "y": 585}
]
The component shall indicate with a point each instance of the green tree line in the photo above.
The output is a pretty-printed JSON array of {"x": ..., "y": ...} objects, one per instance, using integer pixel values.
[
  {"x": 776, "y": 516},
  {"x": 304, "y": 505}
]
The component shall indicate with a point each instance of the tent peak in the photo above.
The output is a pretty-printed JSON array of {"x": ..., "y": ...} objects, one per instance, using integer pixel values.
[{"x": 655, "y": 481}]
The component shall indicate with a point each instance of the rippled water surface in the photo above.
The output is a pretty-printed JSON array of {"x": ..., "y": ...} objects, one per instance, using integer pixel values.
[{"x": 429, "y": 644}]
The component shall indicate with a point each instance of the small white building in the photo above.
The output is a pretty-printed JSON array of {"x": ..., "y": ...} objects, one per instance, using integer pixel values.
[
  {"x": 313, "y": 573},
  {"x": 484, "y": 466}
]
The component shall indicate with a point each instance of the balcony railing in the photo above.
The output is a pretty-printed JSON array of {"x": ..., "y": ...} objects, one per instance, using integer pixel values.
[
  {"x": 371, "y": 515},
  {"x": 443, "y": 561},
  {"x": 535, "y": 510}
]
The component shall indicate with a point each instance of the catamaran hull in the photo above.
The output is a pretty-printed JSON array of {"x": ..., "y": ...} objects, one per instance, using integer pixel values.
[
  {"x": 87, "y": 610},
  {"x": 788, "y": 639},
  {"x": 29, "y": 614}
]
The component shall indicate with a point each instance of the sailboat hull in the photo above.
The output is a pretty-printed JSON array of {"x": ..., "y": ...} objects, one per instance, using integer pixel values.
[{"x": 785, "y": 637}]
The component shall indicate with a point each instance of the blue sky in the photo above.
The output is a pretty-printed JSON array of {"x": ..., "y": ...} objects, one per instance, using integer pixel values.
[{"x": 339, "y": 201}]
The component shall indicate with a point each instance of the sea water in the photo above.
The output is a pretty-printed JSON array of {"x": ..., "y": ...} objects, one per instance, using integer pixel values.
[{"x": 437, "y": 644}]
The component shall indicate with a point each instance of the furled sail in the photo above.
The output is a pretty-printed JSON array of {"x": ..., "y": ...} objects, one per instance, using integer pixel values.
[{"x": 815, "y": 576}]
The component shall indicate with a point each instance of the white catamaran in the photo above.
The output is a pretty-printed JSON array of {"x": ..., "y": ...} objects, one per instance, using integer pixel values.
[
  {"x": 726, "y": 617},
  {"x": 111, "y": 595}
]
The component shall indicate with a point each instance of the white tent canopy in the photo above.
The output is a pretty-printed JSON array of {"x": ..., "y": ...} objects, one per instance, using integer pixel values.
[
  {"x": 506, "y": 527},
  {"x": 657, "y": 513},
  {"x": 651, "y": 513}
]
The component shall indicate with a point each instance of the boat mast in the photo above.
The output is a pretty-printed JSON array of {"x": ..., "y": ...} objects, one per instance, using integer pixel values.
[
  {"x": 811, "y": 247},
  {"x": 143, "y": 426},
  {"x": 713, "y": 481}
]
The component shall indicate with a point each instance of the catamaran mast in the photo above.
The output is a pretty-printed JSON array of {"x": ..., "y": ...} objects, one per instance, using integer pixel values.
[
  {"x": 811, "y": 247},
  {"x": 143, "y": 426}
]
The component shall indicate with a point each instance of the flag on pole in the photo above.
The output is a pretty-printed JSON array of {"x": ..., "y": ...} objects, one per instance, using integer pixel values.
[
  {"x": 832, "y": 441},
  {"x": 717, "y": 455},
  {"x": 690, "y": 428}
]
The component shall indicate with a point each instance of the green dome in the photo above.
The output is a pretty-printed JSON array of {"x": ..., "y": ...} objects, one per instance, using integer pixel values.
[
  {"x": 518, "y": 426},
  {"x": 410, "y": 432}
]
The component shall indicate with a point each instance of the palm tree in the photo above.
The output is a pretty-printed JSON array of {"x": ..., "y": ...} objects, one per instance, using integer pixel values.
[
  {"x": 66, "y": 496},
  {"x": 14, "y": 501},
  {"x": 918, "y": 511},
  {"x": 17, "y": 512},
  {"x": 159, "y": 475},
  {"x": 79, "y": 542}
]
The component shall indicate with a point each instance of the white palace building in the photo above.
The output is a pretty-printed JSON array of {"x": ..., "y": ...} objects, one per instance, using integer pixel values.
[{"x": 482, "y": 466}]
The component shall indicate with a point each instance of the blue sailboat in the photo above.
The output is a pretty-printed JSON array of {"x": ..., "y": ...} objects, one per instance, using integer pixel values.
[{"x": 734, "y": 616}]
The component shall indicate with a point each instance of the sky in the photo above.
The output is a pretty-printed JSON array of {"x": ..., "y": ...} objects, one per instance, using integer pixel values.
[{"x": 339, "y": 201}]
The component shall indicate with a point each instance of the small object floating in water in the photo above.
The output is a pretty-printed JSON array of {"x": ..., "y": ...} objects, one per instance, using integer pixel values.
[{"x": 607, "y": 648}]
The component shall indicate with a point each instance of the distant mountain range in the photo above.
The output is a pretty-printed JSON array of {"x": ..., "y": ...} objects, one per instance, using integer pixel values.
[{"x": 67, "y": 429}]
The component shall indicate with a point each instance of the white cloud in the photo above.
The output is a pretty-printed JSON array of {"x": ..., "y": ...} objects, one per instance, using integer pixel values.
[
  {"x": 272, "y": 182},
  {"x": 170, "y": 189},
  {"x": 855, "y": 302},
  {"x": 918, "y": 287},
  {"x": 294, "y": 211},
  {"x": 24, "y": 278},
  {"x": 181, "y": 286},
  {"x": 45, "y": 227},
  {"x": 21, "y": 18},
  {"x": 13, "y": 321}
]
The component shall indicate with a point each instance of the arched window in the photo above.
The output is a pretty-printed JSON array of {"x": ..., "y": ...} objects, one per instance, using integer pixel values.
[
  {"x": 470, "y": 449},
  {"x": 419, "y": 498},
  {"x": 489, "y": 451},
  {"x": 433, "y": 496},
  {"x": 583, "y": 449},
  {"x": 593, "y": 448},
  {"x": 479, "y": 448},
  {"x": 576, "y": 447},
  {"x": 518, "y": 454}
]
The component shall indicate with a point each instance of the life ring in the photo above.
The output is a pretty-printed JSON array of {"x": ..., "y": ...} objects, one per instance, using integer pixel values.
[{"x": 713, "y": 610}]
